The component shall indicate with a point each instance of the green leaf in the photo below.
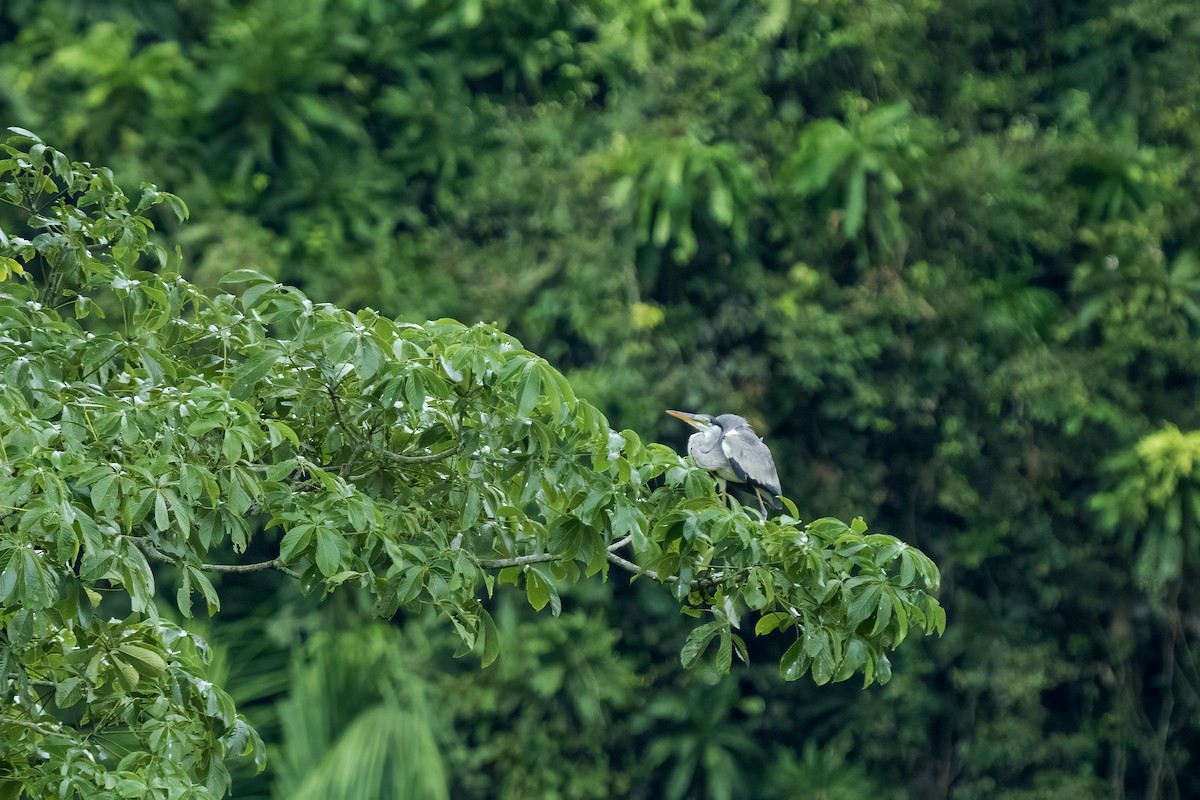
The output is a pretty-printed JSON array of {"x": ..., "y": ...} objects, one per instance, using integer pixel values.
[
  {"x": 9, "y": 575},
  {"x": 769, "y": 622},
  {"x": 183, "y": 595},
  {"x": 901, "y": 617},
  {"x": 62, "y": 166},
  {"x": 908, "y": 568},
  {"x": 161, "y": 519},
  {"x": 883, "y": 612},
  {"x": 541, "y": 434},
  {"x": 725, "y": 651},
  {"x": 537, "y": 589},
  {"x": 127, "y": 676},
  {"x": 863, "y": 604},
  {"x": 740, "y": 649},
  {"x": 10, "y": 266},
  {"x": 177, "y": 205},
  {"x": 251, "y": 372},
  {"x": 938, "y": 618},
  {"x": 490, "y": 636},
  {"x": 823, "y": 664},
  {"x": 68, "y": 691},
  {"x": 795, "y": 662},
  {"x": 245, "y": 276},
  {"x": 531, "y": 385},
  {"x": 255, "y": 293},
  {"x": 367, "y": 359},
  {"x": 342, "y": 577},
  {"x": 414, "y": 391},
  {"x": 854, "y": 659},
  {"x": 211, "y": 599},
  {"x": 471, "y": 507},
  {"x": 698, "y": 641},
  {"x": 37, "y": 585},
  {"x": 555, "y": 599},
  {"x": 146, "y": 661},
  {"x": 566, "y": 537},
  {"x": 329, "y": 551},
  {"x": 231, "y": 445},
  {"x": 827, "y": 529},
  {"x": 26, "y": 133}
]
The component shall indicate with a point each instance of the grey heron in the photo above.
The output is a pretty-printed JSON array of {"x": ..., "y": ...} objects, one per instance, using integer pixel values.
[{"x": 729, "y": 448}]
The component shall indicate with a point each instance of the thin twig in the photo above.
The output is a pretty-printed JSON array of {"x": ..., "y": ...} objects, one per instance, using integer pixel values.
[
  {"x": 709, "y": 582},
  {"x": 699, "y": 583},
  {"x": 258, "y": 566},
  {"x": 352, "y": 460},
  {"x": 518, "y": 561},
  {"x": 274, "y": 563},
  {"x": 540, "y": 558},
  {"x": 33, "y": 726},
  {"x": 337, "y": 407},
  {"x": 636, "y": 570},
  {"x": 438, "y": 456}
]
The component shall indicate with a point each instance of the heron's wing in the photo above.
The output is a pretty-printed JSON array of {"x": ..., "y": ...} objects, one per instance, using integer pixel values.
[{"x": 751, "y": 461}]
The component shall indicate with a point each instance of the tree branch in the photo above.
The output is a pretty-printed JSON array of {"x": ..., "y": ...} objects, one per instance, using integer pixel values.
[
  {"x": 517, "y": 561},
  {"x": 33, "y": 726},
  {"x": 399, "y": 458},
  {"x": 274, "y": 563},
  {"x": 258, "y": 566},
  {"x": 706, "y": 583},
  {"x": 438, "y": 456},
  {"x": 636, "y": 570},
  {"x": 344, "y": 471},
  {"x": 540, "y": 558}
]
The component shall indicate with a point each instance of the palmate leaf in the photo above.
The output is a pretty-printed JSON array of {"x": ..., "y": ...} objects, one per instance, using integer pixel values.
[
  {"x": 821, "y": 150},
  {"x": 380, "y": 745}
]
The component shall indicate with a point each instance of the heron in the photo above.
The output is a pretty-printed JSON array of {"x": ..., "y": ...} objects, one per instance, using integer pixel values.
[{"x": 729, "y": 448}]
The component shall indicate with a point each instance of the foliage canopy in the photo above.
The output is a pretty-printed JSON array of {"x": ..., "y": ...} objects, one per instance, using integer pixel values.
[{"x": 423, "y": 463}]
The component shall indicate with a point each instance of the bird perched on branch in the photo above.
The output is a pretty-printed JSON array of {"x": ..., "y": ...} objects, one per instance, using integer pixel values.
[{"x": 729, "y": 448}]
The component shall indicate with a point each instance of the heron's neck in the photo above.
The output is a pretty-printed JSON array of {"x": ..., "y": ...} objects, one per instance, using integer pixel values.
[{"x": 705, "y": 441}]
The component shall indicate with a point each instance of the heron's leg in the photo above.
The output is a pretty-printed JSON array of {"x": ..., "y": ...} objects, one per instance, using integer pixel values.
[
  {"x": 762, "y": 508},
  {"x": 723, "y": 491}
]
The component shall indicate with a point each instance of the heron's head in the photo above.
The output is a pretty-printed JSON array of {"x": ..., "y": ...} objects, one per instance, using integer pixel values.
[{"x": 701, "y": 422}]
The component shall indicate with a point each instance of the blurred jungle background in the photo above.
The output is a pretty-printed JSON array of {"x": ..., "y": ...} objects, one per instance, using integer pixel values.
[{"x": 945, "y": 256}]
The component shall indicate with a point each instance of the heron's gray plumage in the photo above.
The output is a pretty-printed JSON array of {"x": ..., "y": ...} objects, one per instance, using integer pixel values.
[{"x": 728, "y": 447}]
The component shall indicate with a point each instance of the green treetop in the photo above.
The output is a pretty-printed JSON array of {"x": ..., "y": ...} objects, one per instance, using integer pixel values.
[{"x": 144, "y": 420}]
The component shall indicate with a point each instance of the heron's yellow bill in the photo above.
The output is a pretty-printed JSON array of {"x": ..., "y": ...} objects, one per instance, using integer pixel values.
[{"x": 691, "y": 419}]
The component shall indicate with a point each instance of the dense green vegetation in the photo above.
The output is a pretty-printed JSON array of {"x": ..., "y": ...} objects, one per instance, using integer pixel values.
[
  {"x": 943, "y": 255},
  {"x": 422, "y": 464}
]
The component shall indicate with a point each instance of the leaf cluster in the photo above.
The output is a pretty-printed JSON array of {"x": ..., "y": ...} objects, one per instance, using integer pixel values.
[{"x": 421, "y": 463}]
